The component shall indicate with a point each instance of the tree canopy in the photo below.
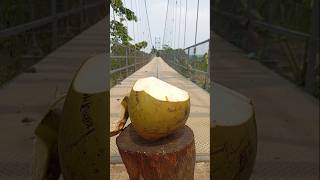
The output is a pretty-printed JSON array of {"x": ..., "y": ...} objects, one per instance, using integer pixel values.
[{"x": 119, "y": 32}]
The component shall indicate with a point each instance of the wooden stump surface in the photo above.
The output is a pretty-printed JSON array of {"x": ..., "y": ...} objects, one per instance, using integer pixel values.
[{"x": 172, "y": 157}]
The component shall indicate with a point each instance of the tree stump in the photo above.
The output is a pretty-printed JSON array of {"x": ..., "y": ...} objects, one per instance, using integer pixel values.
[{"x": 170, "y": 158}]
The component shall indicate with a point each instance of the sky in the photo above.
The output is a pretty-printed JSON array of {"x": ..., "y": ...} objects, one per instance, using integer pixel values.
[{"x": 157, "y": 14}]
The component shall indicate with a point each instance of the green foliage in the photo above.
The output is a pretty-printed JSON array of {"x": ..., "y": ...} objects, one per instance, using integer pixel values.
[
  {"x": 118, "y": 50},
  {"x": 119, "y": 33},
  {"x": 123, "y": 12},
  {"x": 140, "y": 45}
]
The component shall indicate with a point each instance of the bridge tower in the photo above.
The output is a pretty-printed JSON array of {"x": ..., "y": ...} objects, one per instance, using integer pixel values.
[{"x": 157, "y": 43}]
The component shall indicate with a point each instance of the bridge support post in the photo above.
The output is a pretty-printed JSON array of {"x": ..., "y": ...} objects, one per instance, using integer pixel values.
[
  {"x": 135, "y": 54},
  {"x": 187, "y": 64},
  {"x": 127, "y": 73},
  {"x": 172, "y": 157}
]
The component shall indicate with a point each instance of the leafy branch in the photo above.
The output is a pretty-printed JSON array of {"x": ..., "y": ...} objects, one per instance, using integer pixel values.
[{"x": 119, "y": 32}]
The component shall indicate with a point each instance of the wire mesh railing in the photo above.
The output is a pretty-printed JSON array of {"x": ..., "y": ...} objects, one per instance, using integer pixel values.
[
  {"x": 125, "y": 61},
  {"x": 31, "y": 29},
  {"x": 192, "y": 62},
  {"x": 283, "y": 35}
]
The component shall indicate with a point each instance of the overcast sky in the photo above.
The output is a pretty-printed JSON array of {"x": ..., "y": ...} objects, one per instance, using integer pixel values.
[{"x": 157, "y": 14}]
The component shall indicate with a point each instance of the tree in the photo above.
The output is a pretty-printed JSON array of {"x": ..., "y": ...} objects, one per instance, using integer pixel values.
[
  {"x": 141, "y": 45},
  {"x": 119, "y": 32}
]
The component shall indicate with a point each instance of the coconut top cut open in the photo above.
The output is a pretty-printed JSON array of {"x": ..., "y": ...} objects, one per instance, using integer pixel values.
[
  {"x": 229, "y": 107},
  {"x": 92, "y": 76},
  {"x": 160, "y": 90}
]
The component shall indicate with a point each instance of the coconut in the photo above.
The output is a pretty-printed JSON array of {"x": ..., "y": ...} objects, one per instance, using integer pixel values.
[
  {"x": 234, "y": 134},
  {"x": 82, "y": 132},
  {"x": 157, "y": 108}
]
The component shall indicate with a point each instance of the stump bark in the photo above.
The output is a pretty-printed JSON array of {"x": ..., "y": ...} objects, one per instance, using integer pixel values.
[{"x": 170, "y": 158}]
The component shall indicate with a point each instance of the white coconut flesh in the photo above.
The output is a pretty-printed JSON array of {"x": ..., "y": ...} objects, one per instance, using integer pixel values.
[
  {"x": 92, "y": 76},
  {"x": 160, "y": 90},
  {"x": 229, "y": 107}
]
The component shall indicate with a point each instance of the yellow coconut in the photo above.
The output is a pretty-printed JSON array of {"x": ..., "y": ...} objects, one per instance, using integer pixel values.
[
  {"x": 157, "y": 108},
  {"x": 234, "y": 135},
  {"x": 82, "y": 133}
]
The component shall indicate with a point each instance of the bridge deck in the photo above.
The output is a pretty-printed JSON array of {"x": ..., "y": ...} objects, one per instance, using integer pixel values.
[{"x": 199, "y": 120}]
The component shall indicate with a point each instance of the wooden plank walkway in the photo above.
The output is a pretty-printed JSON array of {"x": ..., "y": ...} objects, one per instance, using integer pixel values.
[
  {"x": 30, "y": 94},
  {"x": 199, "y": 118},
  {"x": 287, "y": 117}
]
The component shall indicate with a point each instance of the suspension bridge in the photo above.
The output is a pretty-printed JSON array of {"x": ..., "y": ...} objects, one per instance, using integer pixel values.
[{"x": 287, "y": 117}]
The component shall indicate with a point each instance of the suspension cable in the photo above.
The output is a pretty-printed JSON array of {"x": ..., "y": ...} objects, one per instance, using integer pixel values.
[
  {"x": 172, "y": 29},
  {"x": 133, "y": 26},
  {"x": 145, "y": 4},
  {"x": 114, "y": 16},
  {"x": 195, "y": 37},
  {"x": 140, "y": 22},
  {"x": 175, "y": 24},
  {"x": 124, "y": 2},
  {"x": 137, "y": 23},
  {"x": 165, "y": 25},
  {"x": 185, "y": 25},
  {"x": 179, "y": 25}
]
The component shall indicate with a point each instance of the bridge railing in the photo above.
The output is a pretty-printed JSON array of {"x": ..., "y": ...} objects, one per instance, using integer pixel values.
[
  {"x": 36, "y": 28},
  {"x": 285, "y": 39},
  {"x": 125, "y": 61},
  {"x": 192, "y": 62}
]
